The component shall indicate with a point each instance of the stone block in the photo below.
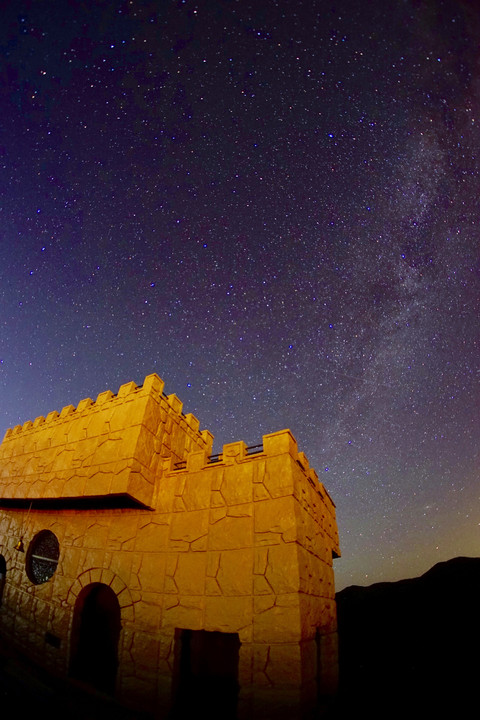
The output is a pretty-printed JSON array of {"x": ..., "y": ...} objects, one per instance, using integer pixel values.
[
  {"x": 196, "y": 493},
  {"x": 63, "y": 459},
  {"x": 260, "y": 561},
  {"x": 148, "y": 612},
  {"x": 75, "y": 486},
  {"x": 192, "y": 422},
  {"x": 152, "y": 537},
  {"x": 75, "y": 432},
  {"x": 118, "y": 417},
  {"x": 98, "y": 484},
  {"x": 238, "y": 511},
  {"x": 212, "y": 587},
  {"x": 280, "y": 442},
  {"x": 263, "y": 602},
  {"x": 280, "y": 623},
  {"x": 126, "y": 389},
  {"x": 175, "y": 403},
  {"x": 277, "y": 516},
  {"x": 53, "y": 489},
  {"x": 260, "y": 492},
  {"x": 152, "y": 572},
  {"x": 200, "y": 545},
  {"x": 144, "y": 447},
  {"x": 227, "y": 614},
  {"x": 237, "y": 485},
  {"x": 153, "y": 384},
  {"x": 234, "y": 574},
  {"x": 233, "y": 452},
  {"x": 97, "y": 430},
  {"x": 282, "y": 568},
  {"x": 213, "y": 563},
  {"x": 196, "y": 461},
  {"x": 93, "y": 558},
  {"x": 84, "y": 404},
  {"x": 190, "y": 526},
  {"x": 278, "y": 478},
  {"x": 207, "y": 438},
  {"x": 70, "y": 560},
  {"x": 190, "y": 574},
  {"x": 230, "y": 533},
  {"x": 152, "y": 414},
  {"x": 184, "y": 613},
  {"x": 170, "y": 586},
  {"x": 67, "y": 410},
  {"x": 261, "y": 586},
  {"x": 104, "y": 397}
]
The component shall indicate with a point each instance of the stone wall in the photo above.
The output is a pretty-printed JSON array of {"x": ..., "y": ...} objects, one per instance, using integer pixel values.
[{"x": 241, "y": 545}]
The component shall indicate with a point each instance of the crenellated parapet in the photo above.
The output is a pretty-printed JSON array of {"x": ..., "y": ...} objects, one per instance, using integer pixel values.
[
  {"x": 108, "y": 447},
  {"x": 153, "y": 384},
  {"x": 274, "y": 474}
]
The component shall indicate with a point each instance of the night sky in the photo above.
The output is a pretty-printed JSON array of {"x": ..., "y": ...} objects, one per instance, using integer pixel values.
[{"x": 274, "y": 205}]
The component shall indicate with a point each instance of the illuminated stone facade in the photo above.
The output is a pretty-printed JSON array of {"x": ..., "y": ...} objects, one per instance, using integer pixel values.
[{"x": 179, "y": 543}]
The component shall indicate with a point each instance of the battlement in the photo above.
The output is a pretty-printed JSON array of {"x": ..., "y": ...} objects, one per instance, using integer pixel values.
[
  {"x": 274, "y": 470},
  {"x": 108, "y": 447},
  {"x": 275, "y": 443},
  {"x": 152, "y": 384}
]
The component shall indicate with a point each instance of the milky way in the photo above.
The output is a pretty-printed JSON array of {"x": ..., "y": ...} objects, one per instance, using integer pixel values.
[{"x": 274, "y": 206}]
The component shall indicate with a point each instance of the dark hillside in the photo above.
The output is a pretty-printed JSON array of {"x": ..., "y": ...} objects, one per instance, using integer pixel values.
[{"x": 412, "y": 647}]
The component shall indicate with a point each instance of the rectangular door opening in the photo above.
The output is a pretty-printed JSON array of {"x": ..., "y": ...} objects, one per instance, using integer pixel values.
[{"x": 206, "y": 674}]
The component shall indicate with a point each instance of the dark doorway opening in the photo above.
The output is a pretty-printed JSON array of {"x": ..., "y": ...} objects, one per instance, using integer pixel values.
[
  {"x": 206, "y": 677},
  {"x": 3, "y": 576},
  {"x": 95, "y": 634}
]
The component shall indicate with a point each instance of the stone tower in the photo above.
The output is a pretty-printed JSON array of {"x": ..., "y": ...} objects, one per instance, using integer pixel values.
[{"x": 160, "y": 574}]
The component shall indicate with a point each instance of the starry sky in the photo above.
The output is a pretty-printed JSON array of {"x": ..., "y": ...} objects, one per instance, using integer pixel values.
[{"x": 275, "y": 206}]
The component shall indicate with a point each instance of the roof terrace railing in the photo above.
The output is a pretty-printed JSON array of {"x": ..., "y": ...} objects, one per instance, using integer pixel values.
[
  {"x": 218, "y": 457},
  {"x": 254, "y": 449}
]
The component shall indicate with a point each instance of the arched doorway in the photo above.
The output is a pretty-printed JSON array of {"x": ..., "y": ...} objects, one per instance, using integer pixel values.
[{"x": 95, "y": 633}]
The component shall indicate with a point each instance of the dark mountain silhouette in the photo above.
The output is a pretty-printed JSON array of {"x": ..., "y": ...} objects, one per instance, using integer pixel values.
[{"x": 411, "y": 648}]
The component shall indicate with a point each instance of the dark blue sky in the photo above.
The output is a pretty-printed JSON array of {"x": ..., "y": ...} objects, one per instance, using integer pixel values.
[{"x": 274, "y": 206}]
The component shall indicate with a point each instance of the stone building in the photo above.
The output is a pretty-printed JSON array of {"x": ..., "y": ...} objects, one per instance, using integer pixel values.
[{"x": 134, "y": 562}]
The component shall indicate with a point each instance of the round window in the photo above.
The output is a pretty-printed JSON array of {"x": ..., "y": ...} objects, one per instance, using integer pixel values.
[{"x": 42, "y": 557}]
